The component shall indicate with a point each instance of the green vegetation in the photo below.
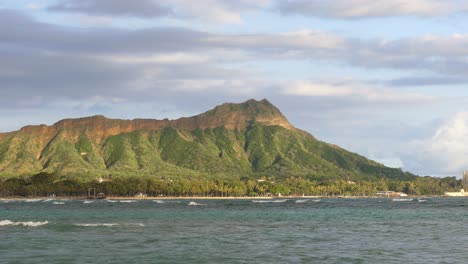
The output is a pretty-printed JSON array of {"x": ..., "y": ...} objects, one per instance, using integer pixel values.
[
  {"x": 44, "y": 184},
  {"x": 255, "y": 151},
  {"x": 217, "y": 148}
]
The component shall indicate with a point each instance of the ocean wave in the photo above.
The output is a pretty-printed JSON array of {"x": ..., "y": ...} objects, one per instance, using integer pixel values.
[
  {"x": 195, "y": 204},
  {"x": 280, "y": 201},
  {"x": 32, "y": 200},
  {"x": 402, "y": 200},
  {"x": 159, "y": 201},
  {"x": 261, "y": 201},
  {"x": 27, "y": 223},
  {"x": 88, "y": 202},
  {"x": 316, "y": 200},
  {"x": 97, "y": 224},
  {"x": 111, "y": 201},
  {"x": 47, "y": 200},
  {"x": 270, "y": 201},
  {"x": 422, "y": 200},
  {"x": 108, "y": 224},
  {"x": 302, "y": 201},
  {"x": 58, "y": 203},
  {"x": 127, "y": 201}
]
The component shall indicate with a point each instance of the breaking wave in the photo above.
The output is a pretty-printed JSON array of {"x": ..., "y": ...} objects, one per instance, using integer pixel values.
[
  {"x": 28, "y": 223},
  {"x": 97, "y": 224},
  {"x": 32, "y": 200},
  {"x": 302, "y": 201},
  {"x": 270, "y": 201},
  {"x": 108, "y": 224},
  {"x": 402, "y": 200},
  {"x": 195, "y": 204},
  {"x": 58, "y": 203},
  {"x": 88, "y": 202},
  {"x": 128, "y": 201},
  {"x": 159, "y": 201}
]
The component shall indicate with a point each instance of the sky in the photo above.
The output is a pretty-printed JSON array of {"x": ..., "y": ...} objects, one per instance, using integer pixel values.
[{"x": 383, "y": 78}]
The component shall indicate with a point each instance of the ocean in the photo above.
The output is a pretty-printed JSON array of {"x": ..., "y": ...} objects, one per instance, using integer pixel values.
[{"x": 430, "y": 230}]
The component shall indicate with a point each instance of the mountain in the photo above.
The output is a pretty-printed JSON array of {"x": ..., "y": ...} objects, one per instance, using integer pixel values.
[{"x": 249, "y": 139}]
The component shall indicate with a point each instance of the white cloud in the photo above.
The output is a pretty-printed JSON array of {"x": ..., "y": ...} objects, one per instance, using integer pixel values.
[
  {"x": 446, "y": 152},
  {"x": 166, "y": 58},
  {"x": 33, "y": 6},
  {"x": 352, "y": 9},
  {"x": 377, "y": 94},
  {"x": 216, "y": 11}
]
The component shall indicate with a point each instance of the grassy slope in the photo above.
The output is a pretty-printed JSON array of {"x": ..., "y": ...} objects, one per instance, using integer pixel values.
[{"x": 255, "y": 151}]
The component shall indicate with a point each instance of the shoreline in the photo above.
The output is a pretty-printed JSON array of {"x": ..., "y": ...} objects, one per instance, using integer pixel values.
[{"x": 214, "y": 197}]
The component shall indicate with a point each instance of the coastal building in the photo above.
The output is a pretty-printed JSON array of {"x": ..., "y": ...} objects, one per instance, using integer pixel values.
[
  {"x": 456, "y": 194},
  {"x": 465, "y": 180},
  {"x": 462, "y": 191}
]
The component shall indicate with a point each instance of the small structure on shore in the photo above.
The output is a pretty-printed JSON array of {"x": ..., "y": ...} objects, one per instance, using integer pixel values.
[
  {"x": 92, "y": 194},
  {"x": 461, "y": 193}
]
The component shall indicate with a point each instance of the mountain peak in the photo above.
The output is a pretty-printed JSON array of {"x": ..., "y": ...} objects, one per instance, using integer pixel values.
[{"x": 237, "y": 115}]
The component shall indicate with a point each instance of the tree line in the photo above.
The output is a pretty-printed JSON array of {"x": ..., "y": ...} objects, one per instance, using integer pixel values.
[{"x": 44, "y": 184}]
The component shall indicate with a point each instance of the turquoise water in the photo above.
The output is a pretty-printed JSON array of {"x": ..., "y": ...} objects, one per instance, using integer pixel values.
[{"x": 234, "y": 231}]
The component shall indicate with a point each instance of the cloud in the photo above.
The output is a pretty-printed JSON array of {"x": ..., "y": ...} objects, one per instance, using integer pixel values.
[
  {"x": 213, "y": 11},
  {"x": 427, "y": 81},
  {"x": 445, "y": 152},
  {"x": 286, "y": 44},
  {"x": 444, "y": 55},
  {"x": 227, "y": 11},
  {"x": 354, "y": 9},
  {"x": 51, "y": 61},
  {"x": 140, "y": 8},
  {"x": 375, "y": 95}
]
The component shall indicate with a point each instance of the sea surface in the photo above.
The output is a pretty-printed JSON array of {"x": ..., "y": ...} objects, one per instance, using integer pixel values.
[{"x": 432, "y": 230}]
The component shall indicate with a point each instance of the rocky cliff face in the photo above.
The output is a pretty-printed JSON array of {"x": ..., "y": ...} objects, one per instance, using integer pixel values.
[{"x": 229, "y": 115}]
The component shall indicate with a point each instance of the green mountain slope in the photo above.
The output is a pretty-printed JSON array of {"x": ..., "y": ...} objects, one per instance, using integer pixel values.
[{"x": 251, "y": 139}]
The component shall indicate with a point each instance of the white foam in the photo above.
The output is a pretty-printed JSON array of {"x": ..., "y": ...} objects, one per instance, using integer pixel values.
[
  {"x": 270, "y": 201},
  {"x": 111, "y": 201},
  {"x": 88, "y": 202},
  {"x": 261, "y": 201},
  {"x": 316, "y": 200},
  {"x": 47, "y": 200},
  {"x": 302, "y": 201},
  {"x": 108, "y": 224},
  {"x": 128, "y": 201},
  {"x": 159, "y": 201},
  {"x": 97, "y": 224},
  {"x": 195, "y": 204},
  {"x": 28, "y": 223},
  {"x": 280, "y": 201},
  {"x": 58, "y": 203},
  {"x": 402, "y": 200},
  {"x": 32, "y": 200},
  {"x": 422, "y": 200}
]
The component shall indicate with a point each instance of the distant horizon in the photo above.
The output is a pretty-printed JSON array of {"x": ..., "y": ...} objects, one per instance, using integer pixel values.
[{"x": 384, "y": 79}]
